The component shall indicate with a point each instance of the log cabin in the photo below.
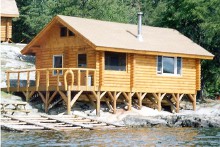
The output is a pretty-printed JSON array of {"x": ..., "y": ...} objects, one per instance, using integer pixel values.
[
  {"x": 107, "y": 61},
  {"x": 9, "y": 10}
]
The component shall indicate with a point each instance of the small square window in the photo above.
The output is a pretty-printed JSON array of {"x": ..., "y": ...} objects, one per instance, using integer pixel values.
[
  {"x": 63, "y": 31},
  {"x": 71, "y": 33}
]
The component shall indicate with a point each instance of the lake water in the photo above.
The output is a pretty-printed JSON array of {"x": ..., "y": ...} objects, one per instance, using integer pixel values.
[{"x": 156, "y": 136}]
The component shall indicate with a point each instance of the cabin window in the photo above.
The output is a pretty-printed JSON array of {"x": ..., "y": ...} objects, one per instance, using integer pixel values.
[
  {"x": 115, "y": 61},
  {"x": 57, "y": 63},
  {"x": 169, "y": 65},
  {"x": 71, "y": 33},
  {"x": 82, "y": 60},
  {"x": 63, "y": 31}
]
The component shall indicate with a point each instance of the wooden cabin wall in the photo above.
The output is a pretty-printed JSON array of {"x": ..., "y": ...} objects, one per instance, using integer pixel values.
[
  {"x": 115, "y": 80},
  {"x": 52, "y": 44},
  {"x": 198, "y": 74},
  {"x": 6, "y": 28},
  {"x": 147, "y": 80}
]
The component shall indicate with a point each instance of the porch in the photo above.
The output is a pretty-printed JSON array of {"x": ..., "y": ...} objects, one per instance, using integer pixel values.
[{"x": 73, "y": 84}]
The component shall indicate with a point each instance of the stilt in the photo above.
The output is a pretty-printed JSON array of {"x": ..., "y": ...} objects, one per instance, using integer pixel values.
[
  {"x": 193, "y": 100},
  {"x": 159, "y": 98},
  {"x": 114, "y": 103},
  {"x": 177, "y": 103},
  {"x": 140, "y": 98},
  {"x": 98, "y": 104},
  {"x": 68, "y": 101},
  {"x": 46, "y": 104},
  {"x": 129, "y": 101}
]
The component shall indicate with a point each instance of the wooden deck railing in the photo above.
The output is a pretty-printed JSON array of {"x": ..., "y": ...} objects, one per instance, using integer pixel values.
[{"x": 75, "y": 74}]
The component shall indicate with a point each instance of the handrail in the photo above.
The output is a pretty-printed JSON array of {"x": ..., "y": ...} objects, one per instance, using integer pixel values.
[
  {"x": 31, "y": 70},
  {"x": 66, "y": 71}
]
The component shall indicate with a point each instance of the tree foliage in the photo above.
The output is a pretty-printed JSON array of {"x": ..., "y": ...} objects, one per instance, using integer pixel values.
[{"x": 197, "y": 19}]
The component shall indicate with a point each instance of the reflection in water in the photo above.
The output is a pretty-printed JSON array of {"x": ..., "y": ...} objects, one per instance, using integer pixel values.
[{"x": 124, "y": 137}]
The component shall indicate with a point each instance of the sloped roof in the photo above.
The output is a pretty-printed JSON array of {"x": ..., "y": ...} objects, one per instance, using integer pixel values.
[
  {"x": 113, "y": 35},
  {"x": 9, "y": 8}
]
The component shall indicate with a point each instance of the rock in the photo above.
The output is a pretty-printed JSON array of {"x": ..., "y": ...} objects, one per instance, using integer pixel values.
[{"x": 131, "y": 120}]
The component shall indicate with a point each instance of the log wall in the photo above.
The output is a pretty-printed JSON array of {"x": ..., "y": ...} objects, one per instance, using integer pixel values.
[
  {"x": 6, "y": 28},
  {"x": 146, "y": 77}
]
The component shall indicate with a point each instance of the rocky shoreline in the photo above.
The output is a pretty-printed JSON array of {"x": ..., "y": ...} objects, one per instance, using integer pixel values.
[{"x": 173, "y": 121}]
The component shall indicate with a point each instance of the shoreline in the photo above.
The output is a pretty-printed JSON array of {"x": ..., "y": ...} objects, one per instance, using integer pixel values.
[{"x": 207, "y": 114}]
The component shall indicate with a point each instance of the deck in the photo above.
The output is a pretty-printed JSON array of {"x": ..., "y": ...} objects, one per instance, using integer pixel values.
[{"x": 72, "y": 83}]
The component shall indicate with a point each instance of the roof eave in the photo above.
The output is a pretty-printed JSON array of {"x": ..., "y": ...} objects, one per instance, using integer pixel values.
[
  {"x": 195, "y": 56},
  {"x": 9, "y": 15}
]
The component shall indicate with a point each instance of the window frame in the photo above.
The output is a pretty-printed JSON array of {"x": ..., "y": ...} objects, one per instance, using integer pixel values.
[
  {"x": 61, "y": 72},
  {"x": 175, "y": 66},
  {"x": 80, "y": 53},
  {"x": 126, "y": 64},
  {"x": 67, "y": 32}
]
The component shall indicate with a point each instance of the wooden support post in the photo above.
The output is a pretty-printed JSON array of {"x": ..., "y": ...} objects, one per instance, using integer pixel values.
[
  {"x": 91, "y": 100},
  {"x": 140, "y": 96},
  {"x": 47, "y": 80},
  {"x": 114, "y": 103},
  {"x": 194, "y": 102},
  {"x": 8, "y": 81},
  {"x": 98, "y": 104},
  {"x": 159, "y": 102},
  {"x": 7, "y": 29},
  {"x": 87, "y": 75},
  {"x": 18, "y": 81},
  {"x": 26, "y": 95},
  {"x": 78, "y": 79},
  {"x": 94, "y": 80},
  {"x": 68, "y": 101},
  {"x": 46, "y": 105},
  {"x": 129, "y": 101},
  {"x": 28, "y": 80},
  {"x": 177, "y": 103},
  {"x": 58, "y": 79},
  {"x": 37, "y": 80},
  {"x": 75, "y": 98}
]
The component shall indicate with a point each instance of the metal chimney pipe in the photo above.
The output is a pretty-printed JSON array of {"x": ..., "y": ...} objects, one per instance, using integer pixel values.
[{"x": 139, "y": 36}]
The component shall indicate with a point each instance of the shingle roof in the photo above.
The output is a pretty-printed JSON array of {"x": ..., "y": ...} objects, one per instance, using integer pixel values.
[
  {"x": 119, "y": 35},
  {"x": 9, "y": 8},
  {"x": 123, "y": 36}
]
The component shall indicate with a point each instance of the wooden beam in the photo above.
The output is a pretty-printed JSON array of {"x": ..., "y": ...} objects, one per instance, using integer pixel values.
[
  {"x": 193, "y": 100},
  {"x": 46, "y": 105},
  {"x": 103, "y": 93},
  {"x": 98, "y": 104},
  {"x": 78, "y": 79},
  {"x": 42, "y": 97},
  {"x": 76, "y": 97},
  {"x": 114, "y": 102},
  {"x": 177, "y": 103},
  {"x": 181, "y": 96},
  {"x": 47, "y": 80},
  {"x": 125, "y": 96},
  {"x": 64, "y": 97},
  {"x": 130, "y": 101},
  {"x": 110, "y": 95},
  {"x": 68, "y": 101},
  {"x": 109, "y": 105},
  {"x": 37, "y": 80},
  {"x": 91, "y": 100},
  {"x": 18, "y": 81},
  {"x": 52, "y": 97}
]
